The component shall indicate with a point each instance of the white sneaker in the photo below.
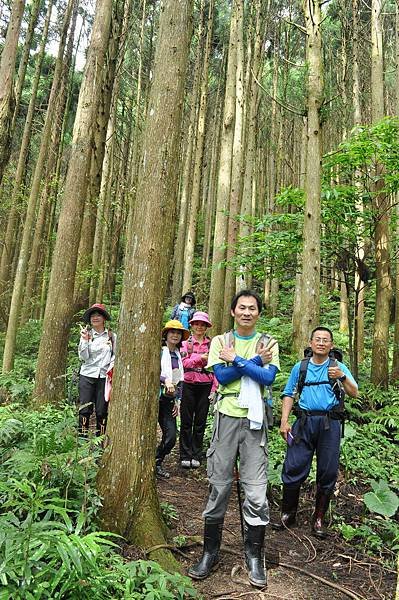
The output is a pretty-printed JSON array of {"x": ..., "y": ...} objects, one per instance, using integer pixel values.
[
  {"x": 195, "y": 463},
  {"x": 186, "y": 464}
]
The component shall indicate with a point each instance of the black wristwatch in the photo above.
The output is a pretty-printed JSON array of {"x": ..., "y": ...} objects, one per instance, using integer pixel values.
[{"x": 342, "y": 378}]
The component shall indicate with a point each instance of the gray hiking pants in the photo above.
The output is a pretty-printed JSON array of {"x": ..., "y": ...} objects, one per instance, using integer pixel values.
[{"x": 232, "y": 436}]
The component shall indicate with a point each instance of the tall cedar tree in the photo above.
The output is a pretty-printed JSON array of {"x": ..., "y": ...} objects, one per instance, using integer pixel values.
[
  {"x": 126, "y": 477},
  {"x": 59, "y": 307}
]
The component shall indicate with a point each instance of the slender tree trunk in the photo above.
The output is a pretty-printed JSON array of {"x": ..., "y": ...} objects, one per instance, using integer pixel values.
[
  {"x": 216, "y": 296},
  {"x": 59, "y": 307},
  {"x": 10, "y": 236},
  {"x": 7, "y": 68},
  {"x": 381, "y": 205},
  {"x": 395, "y": 359},
  {"x": 126, "y": 477},
  {"x": 19, "y": 281},
  {"x": 310, "y": 281},
  {"x": 199, "y": 152},
  {"x": 34, "y": 12}
]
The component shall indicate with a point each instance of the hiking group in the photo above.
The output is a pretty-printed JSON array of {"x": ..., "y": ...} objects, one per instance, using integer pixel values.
[{"x": 235, "y": 371}]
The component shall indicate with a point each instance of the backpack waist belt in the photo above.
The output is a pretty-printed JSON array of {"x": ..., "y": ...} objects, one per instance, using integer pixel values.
[
  {"x": 196, "y": 370},
  {"x": 303, "y": 414}
]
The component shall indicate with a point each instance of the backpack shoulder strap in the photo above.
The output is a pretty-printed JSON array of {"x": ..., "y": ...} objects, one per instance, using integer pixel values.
[
  {"x": 111, "y": 338},
  {"x": 229, "y": 339},
  {"x": 302, "y": 375}
]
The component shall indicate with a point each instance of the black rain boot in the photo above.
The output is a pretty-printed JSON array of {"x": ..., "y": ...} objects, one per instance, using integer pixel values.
[
  {"x": 101, "y": 425},
  {"x": 210, "y": 556},
  {"x": 322, "y": 503},
  {"x": 254, "y": 539},
  {"x": 83, "y": 428},
  {"x": 289, "y": 507}
]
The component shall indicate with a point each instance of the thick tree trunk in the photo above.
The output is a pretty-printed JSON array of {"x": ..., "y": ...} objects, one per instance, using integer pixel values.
[
  {"x": 59, "y": 307},
  {"x": 381, "y": 204},
  {"x": 7, "y": 68},
  {"x": 236, "y": 172},
  {"x": 126, "y": 477},
  {"x": 310, "y": 280},
  {"x": 216, "y": 295}
]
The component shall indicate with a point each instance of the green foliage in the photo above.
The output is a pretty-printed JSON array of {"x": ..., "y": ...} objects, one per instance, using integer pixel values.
[
  {"x": 49, "y": 544},
  {"x": 169, "y": 513},
  {"x": 382, "y": 500},
  {"x": 375, "y": 536}
]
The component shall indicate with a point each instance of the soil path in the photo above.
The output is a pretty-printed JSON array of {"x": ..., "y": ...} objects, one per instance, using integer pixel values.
[{"x": 332, "y": 559}]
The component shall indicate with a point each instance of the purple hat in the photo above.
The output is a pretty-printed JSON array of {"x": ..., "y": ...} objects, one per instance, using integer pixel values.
[{"x": 201, "y": 316}]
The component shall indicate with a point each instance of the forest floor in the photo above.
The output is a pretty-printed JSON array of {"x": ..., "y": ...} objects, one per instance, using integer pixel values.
[{"x": 325, "y": 566}]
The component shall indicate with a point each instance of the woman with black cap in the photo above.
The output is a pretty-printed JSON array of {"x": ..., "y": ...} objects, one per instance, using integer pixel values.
[
  {"x": 184, "y": 311},
  {"x": 97, "y": 352}
]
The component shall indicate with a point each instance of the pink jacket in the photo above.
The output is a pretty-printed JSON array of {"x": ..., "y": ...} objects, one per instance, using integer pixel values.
[{"x": 194, "y": 364}]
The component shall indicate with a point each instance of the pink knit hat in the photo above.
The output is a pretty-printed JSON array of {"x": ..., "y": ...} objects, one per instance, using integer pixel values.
[{"x": 201, "y": 316}]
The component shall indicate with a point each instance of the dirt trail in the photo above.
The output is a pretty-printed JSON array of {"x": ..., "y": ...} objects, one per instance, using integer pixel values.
[{"x": 332, "y": 559}]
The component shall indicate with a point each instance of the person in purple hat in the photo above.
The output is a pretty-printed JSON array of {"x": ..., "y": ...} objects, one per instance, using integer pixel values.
[{"x": 197, "y": 386}]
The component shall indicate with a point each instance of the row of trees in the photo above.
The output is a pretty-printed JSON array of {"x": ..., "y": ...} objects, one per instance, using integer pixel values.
[{"x": 140, "y": 167}]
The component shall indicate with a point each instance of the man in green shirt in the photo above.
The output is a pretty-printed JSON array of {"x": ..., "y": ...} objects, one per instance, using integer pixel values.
[{"x": 244, "y": 362}]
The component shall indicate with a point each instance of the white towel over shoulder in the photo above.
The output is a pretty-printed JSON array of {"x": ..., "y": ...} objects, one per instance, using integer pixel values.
[{"x": 251, "y": 398}]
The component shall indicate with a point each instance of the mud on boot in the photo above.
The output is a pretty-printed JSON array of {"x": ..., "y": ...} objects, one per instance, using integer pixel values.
[
  {"x": 322, "y": 502},
  {"x": 210, "y": 556},
  {"x": 254, "y": 561}
]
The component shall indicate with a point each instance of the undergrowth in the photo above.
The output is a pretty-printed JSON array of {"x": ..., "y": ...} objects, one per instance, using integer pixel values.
[{"x": 50, "y": 545}]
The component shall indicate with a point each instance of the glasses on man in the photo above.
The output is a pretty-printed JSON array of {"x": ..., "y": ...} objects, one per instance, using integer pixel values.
[{"x": 322, "y": 340}]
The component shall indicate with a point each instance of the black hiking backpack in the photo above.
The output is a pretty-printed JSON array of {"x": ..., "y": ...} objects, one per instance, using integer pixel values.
[{"x": 337, "y": 387}]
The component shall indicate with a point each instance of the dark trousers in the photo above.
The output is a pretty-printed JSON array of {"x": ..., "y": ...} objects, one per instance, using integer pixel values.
[
  {"x": 193, "y": 413},
  {"x": 168, "y": 426},
  {"x": 315, "y": 438},
  {"x": 91, "y": 395}
]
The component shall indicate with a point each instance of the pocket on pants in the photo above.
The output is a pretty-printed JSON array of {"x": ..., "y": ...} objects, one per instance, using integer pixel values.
[{"x": 210, "y": 464}]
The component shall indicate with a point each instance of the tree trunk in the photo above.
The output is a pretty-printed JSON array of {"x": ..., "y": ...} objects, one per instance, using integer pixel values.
[
  {"x": 216, "y": 295},
  {"x": 7, "y": 68},
  {"x": 34, "y": 12},
  {"x": 310, "y": 280},
  {"x": 19, "y": 281},
  {"x": 381, "y": 205},
  {"x": 199, "y": 152},
  {"x": 59, "y": 307},
  {"x": 236, "y": 172},
  {"x": 395, "y": 359},
  {"x": 126, "y": 477},
  {"x": 12, "y": 220}
]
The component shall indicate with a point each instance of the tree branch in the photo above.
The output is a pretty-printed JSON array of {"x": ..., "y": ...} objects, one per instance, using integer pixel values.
[{"x": 289, "y": 108}]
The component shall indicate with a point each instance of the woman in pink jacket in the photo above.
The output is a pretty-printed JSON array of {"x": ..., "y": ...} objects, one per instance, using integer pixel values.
[{"x": 197, "y": 386}]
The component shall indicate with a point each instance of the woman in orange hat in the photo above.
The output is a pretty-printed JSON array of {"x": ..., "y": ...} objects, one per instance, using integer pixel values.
[
  {"x": 172, "y": 375},
  {"x": 97, "y": 352}
]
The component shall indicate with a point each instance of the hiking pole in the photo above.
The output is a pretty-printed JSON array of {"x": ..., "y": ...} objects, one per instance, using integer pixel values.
[{"x": 237, "y": 478}]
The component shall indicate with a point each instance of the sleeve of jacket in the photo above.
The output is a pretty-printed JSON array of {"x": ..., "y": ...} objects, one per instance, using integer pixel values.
[{"x": 256, "y": 370}]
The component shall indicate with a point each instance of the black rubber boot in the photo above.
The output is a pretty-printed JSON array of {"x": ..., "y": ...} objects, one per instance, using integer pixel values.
[
  {"x": 101, "y": 425},
  {"x": 254, "y": 540},
  {"x": 322, "y": 503},
  {"x": 289, "y": 507},
  {"x": 210, "y": 556}
]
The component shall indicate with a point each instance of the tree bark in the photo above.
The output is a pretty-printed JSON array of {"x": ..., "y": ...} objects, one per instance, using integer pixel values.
[
  {"x": 59, "y": 306},
  {"x": 310, "y": 280},
  {"x": 216, "y": 295},
  {"x": 381, "y": 205},
  {"x": 10, "y": 236},
  {"x": 126, "y": 477},
  {"x": 7, "y": 94},
  {"x": 236, "y": 172},
  {"x": 19, "y": 281},
  {"x": 199, "y": 153}
]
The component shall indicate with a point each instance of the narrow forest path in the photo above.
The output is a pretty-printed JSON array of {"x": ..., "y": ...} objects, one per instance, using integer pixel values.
[{"x": 332, "y": 559}]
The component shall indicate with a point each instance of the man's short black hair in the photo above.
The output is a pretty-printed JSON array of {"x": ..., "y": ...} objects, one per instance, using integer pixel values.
[
  {"x": 246, "y": 293},
  {"x": 322, "y": 329}
]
